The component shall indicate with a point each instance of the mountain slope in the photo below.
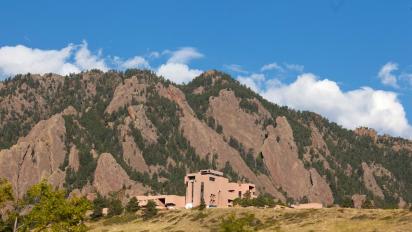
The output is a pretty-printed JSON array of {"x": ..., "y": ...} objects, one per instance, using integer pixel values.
[{"x": 156, "y": 132}]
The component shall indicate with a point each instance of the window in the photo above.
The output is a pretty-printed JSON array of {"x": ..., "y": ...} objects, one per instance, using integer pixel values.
[
  {"x": 192, "y": 177},
  {"x": 211, "y": 178},
  {"x": 202, "y": 190},
  {"x": 240, "y": 194}
]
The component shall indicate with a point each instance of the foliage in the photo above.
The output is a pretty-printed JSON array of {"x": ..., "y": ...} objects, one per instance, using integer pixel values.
[
  {"x": 51, "y": 210},
  {"x": 115, "y": 207},
  {"x": 248, "y": 106},
  {"x": 202, "y": 205},
  {"x": 245, "y": 223},
  {"x": 263, "y": 200},
  {"x": 6, "y": 191},
  {"x": 150, "y": 210},
  {"x": 99, "y": 203},
  {"x": 133, "y": 205}
]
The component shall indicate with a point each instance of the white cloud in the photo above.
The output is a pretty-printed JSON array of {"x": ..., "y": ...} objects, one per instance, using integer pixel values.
[
  {"x": 386, "y": 74},
  {"x": 178, "y": 73},
  {"x": 176, "y": 68},
  {"x": 70, "y": 59},
  {"x": 271, "y": 66},
  {"x": 184, "y": 55},
  {"x": 86, "y": 60},
  {"x": 21, "y": 59},
  {"x": 377, "y": 109},
  {"x": 254, "y": 81},
  {"x": 134, "y": 62},
  {"x": 235, "y": 68}
]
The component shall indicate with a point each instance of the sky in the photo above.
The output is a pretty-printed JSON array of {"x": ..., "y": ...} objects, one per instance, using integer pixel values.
[{"x": 348, "y": 60}]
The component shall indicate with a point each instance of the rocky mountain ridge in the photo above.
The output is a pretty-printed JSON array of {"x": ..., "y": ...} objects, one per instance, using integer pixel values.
[{"x": 136, "y": 132}]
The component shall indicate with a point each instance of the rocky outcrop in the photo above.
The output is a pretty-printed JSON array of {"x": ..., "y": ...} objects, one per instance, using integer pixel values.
[
  {"x": 364, "y": 131},
  {"x": 358, "y": 200},
  {"x": 74, "y": 158},
  {"x": 138, "y": 118},
  {"x": 110, "y": 177},
  {"x": 207, "y": 142},
  {"x": 370, "y": 181},
  {"x": 132, "y": 155},
  {"x": 280, "y": 154},
  {"x": 133, "y": 89},
  {"x": 245, "y": 127},
  {"x": 36, "y": 156}
]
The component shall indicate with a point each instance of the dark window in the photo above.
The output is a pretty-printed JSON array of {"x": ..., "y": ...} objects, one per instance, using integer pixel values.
[
  {"x": 211, "y": 178},
  {"x": 240, "y": 194},
  {"x": 202, "y": 190},
  {"x": 192, "y": 177}
]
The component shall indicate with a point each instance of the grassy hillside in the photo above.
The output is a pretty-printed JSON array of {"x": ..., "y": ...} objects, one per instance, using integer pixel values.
[{"x": 328, "y": 219}]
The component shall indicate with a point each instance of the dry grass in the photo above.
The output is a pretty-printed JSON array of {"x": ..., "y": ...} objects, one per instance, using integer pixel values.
[{"x": 333, "y": 219}]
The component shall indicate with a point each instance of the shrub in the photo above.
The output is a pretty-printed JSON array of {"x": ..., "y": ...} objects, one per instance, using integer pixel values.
[
  {"x": 115, "y": 208},
  {"x": 133, "y": 205},
  {"x": 242, "y": 224},
  {"x": 150, "y": 211},
  {"x": 202, "y": 205}
]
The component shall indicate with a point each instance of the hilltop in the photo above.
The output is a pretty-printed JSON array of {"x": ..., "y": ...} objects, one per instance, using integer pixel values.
[{"x": 135, "y": 132}]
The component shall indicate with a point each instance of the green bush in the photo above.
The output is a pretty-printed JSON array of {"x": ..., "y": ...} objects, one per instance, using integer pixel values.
[
  {"x": 133, "y": 205},
  {"x": 245, "y": 223},
  {"x": 150, "y": 211}
]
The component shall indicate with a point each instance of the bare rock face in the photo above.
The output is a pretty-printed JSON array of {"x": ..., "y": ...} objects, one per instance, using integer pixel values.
[
  {"x": 132, "y": 155},
  {"x": 280, "y": 154},
  {"x": 124, "y": 94},
  {"x": 235, "y": 121},
  {"x": 138, "y": 117},
  {"x": 370, "y": 182},
  {"x": 110, "y": 177},
  {"x": 364, "y": 131},
  {"x": 36, "y": 156},
  {"x": 74, "y": 158},
  {"x": 358, "y": 200},
  {"x": 207, "y": 142}
]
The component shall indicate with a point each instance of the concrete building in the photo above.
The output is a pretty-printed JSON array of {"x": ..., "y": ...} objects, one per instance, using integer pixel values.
[
  {"x": 215, "y": 189},
  {"x": 163, "y": 201}
]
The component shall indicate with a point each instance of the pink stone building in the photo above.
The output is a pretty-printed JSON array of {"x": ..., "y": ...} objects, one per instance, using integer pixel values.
[
  {"x": 215, "y": 189},
  {"x": 163, "y": 201}
]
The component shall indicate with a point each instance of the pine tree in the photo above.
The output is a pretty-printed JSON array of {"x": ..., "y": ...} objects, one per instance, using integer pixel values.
[
  {"x": 202, "y": 205},
  {"x": 133, "y": 205},
  {"x": 150, "y": 210}
]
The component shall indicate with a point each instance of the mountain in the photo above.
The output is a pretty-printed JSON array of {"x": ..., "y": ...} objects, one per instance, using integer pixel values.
[{"x": 136, "y": 132}]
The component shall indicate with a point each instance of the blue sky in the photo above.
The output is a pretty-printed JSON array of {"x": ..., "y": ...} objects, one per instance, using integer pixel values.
[{"x": 336, "y": 47}]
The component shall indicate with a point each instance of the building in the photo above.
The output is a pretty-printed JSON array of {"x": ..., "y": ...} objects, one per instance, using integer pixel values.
[
  {"x": 215, "y": 189},
  {"x": 163, "y": 201}
]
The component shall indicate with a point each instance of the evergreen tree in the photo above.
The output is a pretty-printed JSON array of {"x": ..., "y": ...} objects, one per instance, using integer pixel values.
[
  {"x": 202, "y": 205},
  {"x": 150, "y": 210},
  {"x": 115, "y": 207},
  {"x": 133, "y": 205}
]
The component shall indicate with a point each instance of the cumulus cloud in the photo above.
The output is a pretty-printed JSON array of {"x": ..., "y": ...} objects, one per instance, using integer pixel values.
[
  {"x": 386, "y": 74},
  {"x": 365, "y": 106},
  {"x": 176, "y": 68},
  {"x": 178, "y": 73},
  {"x": 253, "y": 81},
  {"x": 22, "y": 59},
  {"x": 70, "y": 59},
  {"x": 86, "y": 60}
]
